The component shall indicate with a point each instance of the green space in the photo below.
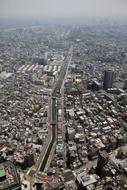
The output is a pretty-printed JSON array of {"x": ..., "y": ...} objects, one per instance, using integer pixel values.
[{"x": 2, "y": 172}]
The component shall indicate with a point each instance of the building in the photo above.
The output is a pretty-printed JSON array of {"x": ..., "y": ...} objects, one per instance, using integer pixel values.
[
  {"x": 84, "y": 180},
  {"x": 70, "y": 185},
  {"x": 102, "y": 161},
  {"x": 29, "y": 159},
  {"x": 9, "y": 178},
  {"x": 38, "y": 186},
  {"x": 125, "y": 84},
  {"x": 108, "y": 79}
]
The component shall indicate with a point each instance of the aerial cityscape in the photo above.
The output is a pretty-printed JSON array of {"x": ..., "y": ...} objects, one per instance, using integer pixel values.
[{"x": 63, "y": 103}]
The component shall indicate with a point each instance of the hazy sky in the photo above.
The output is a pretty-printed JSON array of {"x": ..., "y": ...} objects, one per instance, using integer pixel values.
[{"x": 62, "y": 8}]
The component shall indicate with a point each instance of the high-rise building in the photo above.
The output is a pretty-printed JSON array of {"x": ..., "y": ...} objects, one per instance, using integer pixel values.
[
  {"x": 108, "y": 79},
  {"x": 125, "y": 85},
  {"x": 102, "y": 161}
]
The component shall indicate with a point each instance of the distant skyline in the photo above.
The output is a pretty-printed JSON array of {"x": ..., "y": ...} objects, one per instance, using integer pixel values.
[{"x": 62, "y": 8}]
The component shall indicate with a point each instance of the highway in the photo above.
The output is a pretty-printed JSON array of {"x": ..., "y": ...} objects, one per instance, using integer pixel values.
[
  {"x": 46, "y": 152},
  {"x": 62, "y": 74}
]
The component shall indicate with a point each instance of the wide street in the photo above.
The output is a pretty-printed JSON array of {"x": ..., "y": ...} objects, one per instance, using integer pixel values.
[{"x": 45, "y": 156}]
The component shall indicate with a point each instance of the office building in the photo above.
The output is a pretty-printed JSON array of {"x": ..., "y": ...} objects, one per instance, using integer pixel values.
[
  {"x": 108, "y": 79},
  {"x": 102, "y": 161}
]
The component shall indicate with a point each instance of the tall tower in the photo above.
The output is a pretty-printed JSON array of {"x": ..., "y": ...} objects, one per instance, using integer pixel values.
[
  {"x": 102, "y": 161},
  {"x": 108, "y": 79},
  {"x": 125, "y": 84}
]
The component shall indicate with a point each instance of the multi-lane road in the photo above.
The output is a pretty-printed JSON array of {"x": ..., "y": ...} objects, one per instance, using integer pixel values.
[{"x": 45, "y": 156}]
